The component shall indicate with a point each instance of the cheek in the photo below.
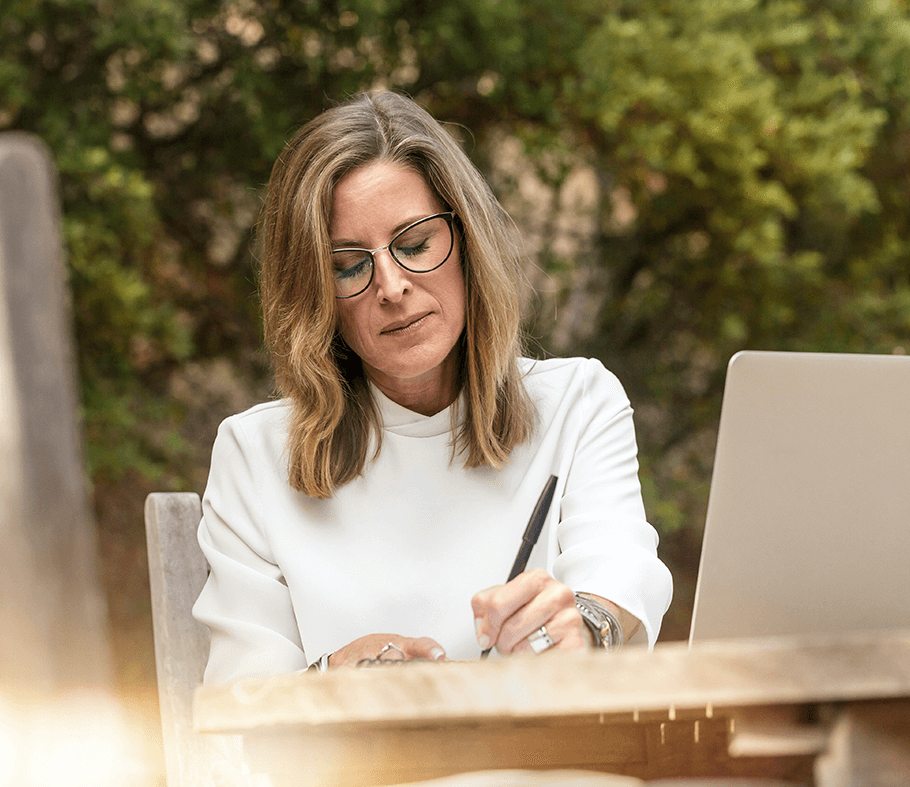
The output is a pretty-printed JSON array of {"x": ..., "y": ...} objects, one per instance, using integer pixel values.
[
  {"x": 458, "y": 291},
  {"x": 346, "y": 322}
]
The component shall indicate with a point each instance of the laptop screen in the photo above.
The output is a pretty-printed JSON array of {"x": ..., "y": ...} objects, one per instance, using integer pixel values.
[{"x": 808, "y": 523}]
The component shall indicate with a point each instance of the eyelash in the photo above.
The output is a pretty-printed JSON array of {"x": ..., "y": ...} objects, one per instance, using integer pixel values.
[
  {"x": 409, "y": 250},
  {"x": 349, "y": 273}
]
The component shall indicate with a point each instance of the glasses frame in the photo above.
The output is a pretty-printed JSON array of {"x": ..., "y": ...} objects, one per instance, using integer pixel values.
[{"x": 448, "y": 215}]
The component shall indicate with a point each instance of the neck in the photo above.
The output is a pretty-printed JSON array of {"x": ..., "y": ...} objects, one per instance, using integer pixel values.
[{"x": 426, "y": 394}]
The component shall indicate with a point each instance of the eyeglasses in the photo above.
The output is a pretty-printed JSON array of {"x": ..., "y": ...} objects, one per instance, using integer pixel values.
[{"x": 420, "y": 247}]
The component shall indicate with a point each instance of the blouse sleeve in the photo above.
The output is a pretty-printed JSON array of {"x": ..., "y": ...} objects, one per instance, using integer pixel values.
[
  {"x": 245, "y": 602},
  {"x": 606, "y": 545}
]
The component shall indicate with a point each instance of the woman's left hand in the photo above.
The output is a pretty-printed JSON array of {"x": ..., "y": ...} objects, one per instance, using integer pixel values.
[{"x": 505, "y": 615}]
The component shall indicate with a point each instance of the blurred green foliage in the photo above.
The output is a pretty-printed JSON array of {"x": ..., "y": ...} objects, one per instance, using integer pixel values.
[{"x": 760, "y": 148}]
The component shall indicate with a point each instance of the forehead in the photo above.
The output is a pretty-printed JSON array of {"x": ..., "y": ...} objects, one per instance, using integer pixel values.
[{"x": 375, "y": 199}]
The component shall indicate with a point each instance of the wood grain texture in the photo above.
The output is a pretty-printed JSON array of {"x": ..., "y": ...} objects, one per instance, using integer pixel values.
[
  {"x": 557, "y": 685},
  {"x": 666, "y": 714},
  {"x": 361, "y": 757},
  {"x": 177, "y": 572}
]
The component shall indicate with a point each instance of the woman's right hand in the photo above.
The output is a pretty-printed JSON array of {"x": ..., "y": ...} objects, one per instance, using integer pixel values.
[{"x": 369, "y": 647}]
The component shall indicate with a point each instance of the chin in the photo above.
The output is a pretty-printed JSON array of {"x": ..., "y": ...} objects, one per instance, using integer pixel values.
[{"x": 422, "y": 363}]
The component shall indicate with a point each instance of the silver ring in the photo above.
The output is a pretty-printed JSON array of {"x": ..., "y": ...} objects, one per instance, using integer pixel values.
[
  {"x": 386, "y": 649},
  {"x": 540, "y": 640}
]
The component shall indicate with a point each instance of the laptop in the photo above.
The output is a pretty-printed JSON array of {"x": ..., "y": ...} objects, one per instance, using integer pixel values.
[{"x": 808, "y": 522}]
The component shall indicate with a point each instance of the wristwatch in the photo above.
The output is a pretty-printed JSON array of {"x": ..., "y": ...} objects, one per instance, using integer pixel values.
[{"x": 604, "y": 624}]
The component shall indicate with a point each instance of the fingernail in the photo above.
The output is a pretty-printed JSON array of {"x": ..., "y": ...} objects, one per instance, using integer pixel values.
[
  {"x": 437, "y": 653},
  {"x": 482, "y": 639}
]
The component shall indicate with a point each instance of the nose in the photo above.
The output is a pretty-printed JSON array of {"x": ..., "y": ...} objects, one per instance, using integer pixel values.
[{"x": 391, "y": 280}]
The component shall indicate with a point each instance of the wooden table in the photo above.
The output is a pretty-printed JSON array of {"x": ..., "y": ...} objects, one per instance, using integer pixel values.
[{"x": 833, "y": 712}]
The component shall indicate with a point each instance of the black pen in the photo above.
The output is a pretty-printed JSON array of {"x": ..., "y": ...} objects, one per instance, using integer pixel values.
[{"x": 532, "y": 533}]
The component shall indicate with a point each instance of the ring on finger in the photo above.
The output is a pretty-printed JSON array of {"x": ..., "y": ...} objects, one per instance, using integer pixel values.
[
  {"x": 540, "y": 640},
  {"x": 386, "y": 649}
]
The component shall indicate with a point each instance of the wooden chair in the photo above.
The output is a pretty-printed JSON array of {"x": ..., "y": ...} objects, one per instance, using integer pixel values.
[{"x": 177, "y": 572}]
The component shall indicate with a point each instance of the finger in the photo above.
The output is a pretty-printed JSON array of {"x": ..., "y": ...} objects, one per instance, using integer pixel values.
[
  {"x": 565, "y": 629},
  {"x": 542, "y": 609},
  {"x": 367, "y": 647},
  {"x": 386, "y": 647},
  {"x": 482, "y": 602},
  {"x": 493, "y": 606},
  {"x": 423, "y": 648}
]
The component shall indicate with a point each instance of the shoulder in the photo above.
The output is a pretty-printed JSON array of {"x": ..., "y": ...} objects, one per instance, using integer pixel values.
[
  {"x": 573, "y": 377},
  {"x": 261, "y": 427},
  {"x": 261, "y": 415}
]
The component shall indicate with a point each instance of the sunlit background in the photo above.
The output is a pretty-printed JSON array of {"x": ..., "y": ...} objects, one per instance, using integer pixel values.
[{"x": 79, "y": 740}]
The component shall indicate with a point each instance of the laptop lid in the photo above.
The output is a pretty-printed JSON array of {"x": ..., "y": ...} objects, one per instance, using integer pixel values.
[{"x": 808, "y": 523}]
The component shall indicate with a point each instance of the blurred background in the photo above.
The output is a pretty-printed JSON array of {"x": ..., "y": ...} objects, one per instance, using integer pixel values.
[{"x": 690, "y": 179}]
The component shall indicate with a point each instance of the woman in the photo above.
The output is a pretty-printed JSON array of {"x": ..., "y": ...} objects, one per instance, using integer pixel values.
[{"x": 374, "y": 511}]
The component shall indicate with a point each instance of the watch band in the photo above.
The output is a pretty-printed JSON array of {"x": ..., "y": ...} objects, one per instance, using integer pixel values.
[
  {"x": 321, "y": 664},
  {"x": 604, "y": 625}
]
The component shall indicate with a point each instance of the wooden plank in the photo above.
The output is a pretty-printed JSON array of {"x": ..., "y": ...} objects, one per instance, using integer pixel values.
[
  {"x": 382, "y": 756},
  {"x": 525, "y": 778},
  {"x": 177, "y": 572},
  {"x": 710, "y": 675},
  {"x": 776, "y": 731},
  {"x": 363, "y": 756}
]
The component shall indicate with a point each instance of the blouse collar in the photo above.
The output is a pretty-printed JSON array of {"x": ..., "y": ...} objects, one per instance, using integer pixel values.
[{"x": 399, "y": 420}]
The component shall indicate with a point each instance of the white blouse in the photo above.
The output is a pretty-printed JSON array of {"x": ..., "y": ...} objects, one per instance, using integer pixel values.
[{"x": 404, "y": 547}]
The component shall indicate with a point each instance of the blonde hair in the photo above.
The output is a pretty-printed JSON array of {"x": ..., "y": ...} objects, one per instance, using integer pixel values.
[{"x": 333, "y": 414}]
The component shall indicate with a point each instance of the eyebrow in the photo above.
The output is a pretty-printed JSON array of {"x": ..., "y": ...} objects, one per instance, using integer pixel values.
[{"x": 346, "y": 243}]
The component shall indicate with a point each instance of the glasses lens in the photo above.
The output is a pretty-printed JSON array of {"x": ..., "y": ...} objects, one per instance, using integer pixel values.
[
  {"x": 424, "y": 246},
  {"x": 353, "y": 268}
]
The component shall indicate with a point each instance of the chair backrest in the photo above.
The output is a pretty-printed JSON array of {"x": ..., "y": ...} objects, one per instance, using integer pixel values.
[{"x": 177, "y": 572}]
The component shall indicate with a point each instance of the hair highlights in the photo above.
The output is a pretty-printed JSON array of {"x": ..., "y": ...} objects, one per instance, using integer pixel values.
[{"x": 334, "y": 421}]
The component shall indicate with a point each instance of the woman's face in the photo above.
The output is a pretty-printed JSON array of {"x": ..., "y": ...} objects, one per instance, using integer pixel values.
[{"x": 405, "y": 326}]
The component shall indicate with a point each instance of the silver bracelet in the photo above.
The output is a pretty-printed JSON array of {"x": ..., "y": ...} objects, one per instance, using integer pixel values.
[
  {"x": 604, "y": 625},
  {"x": 321, "y": 664}
]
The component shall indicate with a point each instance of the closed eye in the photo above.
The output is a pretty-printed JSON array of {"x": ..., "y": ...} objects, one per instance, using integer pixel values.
[
  {"x": 350, "y": 264},
  {"x": 414, "y": 249}
]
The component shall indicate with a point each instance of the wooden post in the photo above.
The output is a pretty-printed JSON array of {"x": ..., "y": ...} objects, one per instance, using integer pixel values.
[
  {"x": 869, "y": 744},
  {"x": 52, "y": 614}
]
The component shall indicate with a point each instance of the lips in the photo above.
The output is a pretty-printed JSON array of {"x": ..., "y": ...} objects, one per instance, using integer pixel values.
[{"x": 407, "y": 322}]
